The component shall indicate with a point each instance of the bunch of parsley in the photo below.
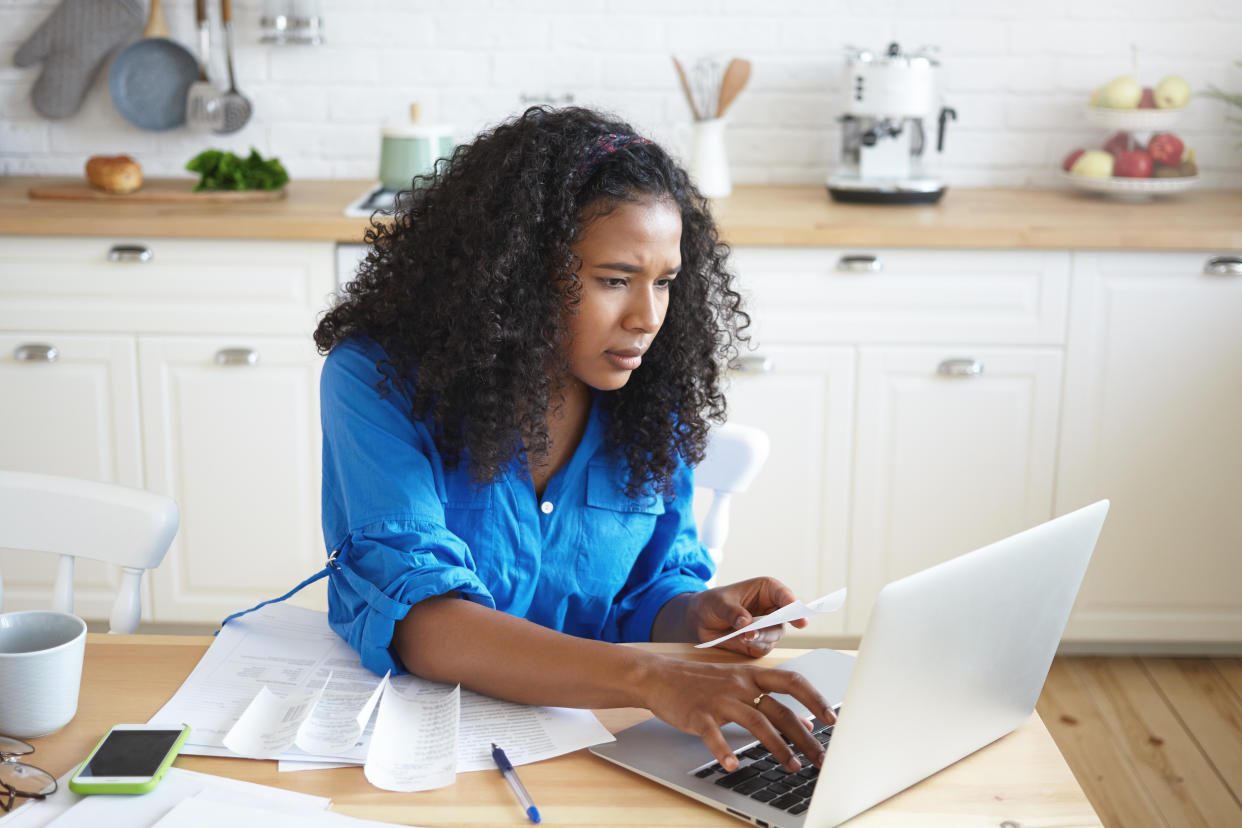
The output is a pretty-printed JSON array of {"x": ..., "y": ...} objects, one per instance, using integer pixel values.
[{"x": 222, "y": 170}]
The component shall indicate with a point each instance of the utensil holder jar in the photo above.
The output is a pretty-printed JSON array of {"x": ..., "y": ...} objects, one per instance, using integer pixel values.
[{"x": 709, "y": 164}]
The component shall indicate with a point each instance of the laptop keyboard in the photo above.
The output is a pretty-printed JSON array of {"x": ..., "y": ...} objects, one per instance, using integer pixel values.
[{"x": 763, "y": 779}]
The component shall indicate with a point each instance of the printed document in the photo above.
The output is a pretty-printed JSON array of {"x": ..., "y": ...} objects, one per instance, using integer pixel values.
[{"x": 280, "y": 684}]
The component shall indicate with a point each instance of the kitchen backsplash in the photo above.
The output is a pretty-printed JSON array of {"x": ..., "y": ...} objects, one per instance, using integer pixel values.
[{"x": 1018, "y": 75}]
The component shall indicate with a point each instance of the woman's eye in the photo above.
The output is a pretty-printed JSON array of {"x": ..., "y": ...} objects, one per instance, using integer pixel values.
[
  {"x": 664, "y": 283},
  {"x": 612, "y": 282}
]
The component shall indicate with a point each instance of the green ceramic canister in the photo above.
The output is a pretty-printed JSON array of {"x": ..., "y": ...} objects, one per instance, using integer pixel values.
[{"x": 412, "y": 149}]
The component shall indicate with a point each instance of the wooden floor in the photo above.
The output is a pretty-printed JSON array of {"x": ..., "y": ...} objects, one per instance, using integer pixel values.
[{"x": 1152, "y": 741}]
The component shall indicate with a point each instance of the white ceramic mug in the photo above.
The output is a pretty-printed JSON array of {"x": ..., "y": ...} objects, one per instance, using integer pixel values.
[{"x": 40, "y": 671}]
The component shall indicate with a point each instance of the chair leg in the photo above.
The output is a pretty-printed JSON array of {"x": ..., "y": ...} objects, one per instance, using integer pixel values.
[
  {"x": 127, "y": 609},
  {"x": 62, "y": 591}
]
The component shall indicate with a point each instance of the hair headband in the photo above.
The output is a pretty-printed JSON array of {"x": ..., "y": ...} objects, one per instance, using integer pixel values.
[{"x": 604, "y": 146}]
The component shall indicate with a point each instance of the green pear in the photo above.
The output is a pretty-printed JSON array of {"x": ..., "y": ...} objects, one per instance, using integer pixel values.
[
  {"x": 1172, "y": 93},
  {"x": 1122, "y": 92},
  {"x": 1094, "y": 163}
]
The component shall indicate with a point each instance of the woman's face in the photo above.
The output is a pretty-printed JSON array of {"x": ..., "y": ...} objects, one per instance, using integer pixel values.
[{"x": 630, "y": 256}]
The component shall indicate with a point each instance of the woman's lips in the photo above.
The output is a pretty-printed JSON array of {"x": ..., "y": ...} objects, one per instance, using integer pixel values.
[{"x": 628, "y": 360}]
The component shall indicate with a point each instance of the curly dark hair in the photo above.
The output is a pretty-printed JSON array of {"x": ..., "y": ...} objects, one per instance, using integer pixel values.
[{"x": 469, "y": 286}]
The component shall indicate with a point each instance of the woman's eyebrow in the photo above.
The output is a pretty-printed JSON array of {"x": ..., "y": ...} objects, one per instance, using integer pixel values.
[{"x": 626, "y": 267}]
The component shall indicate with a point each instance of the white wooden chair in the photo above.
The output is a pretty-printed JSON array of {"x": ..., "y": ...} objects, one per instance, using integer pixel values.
[
  {"x": 75, "y": 518},
  {"x": 734, "y": 455}
]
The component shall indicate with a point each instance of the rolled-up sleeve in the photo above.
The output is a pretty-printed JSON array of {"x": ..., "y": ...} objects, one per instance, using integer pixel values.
[
  {"x": 672, "y": 562},
  {"x": 383, "y": 509}
]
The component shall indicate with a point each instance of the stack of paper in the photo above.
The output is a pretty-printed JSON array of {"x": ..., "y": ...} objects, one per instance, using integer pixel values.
[
  {"x": 279, "y": 683},
  {"x": 182, "y": 799}
]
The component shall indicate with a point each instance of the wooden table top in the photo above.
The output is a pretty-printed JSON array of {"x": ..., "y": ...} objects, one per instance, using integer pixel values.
[
  {"x": 1021, "y": 778},
  {"x": 1202, "y": 220}
]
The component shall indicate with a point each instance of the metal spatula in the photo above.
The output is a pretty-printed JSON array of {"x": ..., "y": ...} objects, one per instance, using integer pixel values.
[
  {"x": 204, "y": 105},
  {"x": 237, "y": 107}
]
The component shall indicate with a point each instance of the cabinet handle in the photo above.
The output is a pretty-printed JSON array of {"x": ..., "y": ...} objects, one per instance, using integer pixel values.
[
  {"x": 129, "y": 253},
  {"x": 1223, "y": 266},
  {"x": 960, "y": 368},
  {"x": 36, "y": 353},
  {"x": 237, "y": 356},
  {"x": 755, "y": 364},
  {"x": 860, "y": 263}
]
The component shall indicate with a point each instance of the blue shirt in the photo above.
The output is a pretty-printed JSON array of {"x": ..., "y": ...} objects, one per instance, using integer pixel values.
[{"x": 585, "y": 559}]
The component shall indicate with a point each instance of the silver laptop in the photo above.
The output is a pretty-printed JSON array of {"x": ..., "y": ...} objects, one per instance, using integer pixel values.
[{"x": 970, "y": 639}]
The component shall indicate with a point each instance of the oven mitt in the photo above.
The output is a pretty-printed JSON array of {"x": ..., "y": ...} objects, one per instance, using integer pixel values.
[{"x": 72, "y": 43}]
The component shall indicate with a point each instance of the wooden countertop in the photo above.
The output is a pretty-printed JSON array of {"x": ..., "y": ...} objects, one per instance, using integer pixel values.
[{"x": 1209, "y": 220}]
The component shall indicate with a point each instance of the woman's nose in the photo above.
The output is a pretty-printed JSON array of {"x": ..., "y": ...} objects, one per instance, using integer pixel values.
[{"x": 646, "y": 312}]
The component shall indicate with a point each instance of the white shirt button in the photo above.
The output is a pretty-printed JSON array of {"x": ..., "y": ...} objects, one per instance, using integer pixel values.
[{"x": 546, "y": 507}]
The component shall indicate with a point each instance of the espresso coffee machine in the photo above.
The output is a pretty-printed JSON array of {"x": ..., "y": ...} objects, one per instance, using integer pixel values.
[{"x": 891, "y": 96}]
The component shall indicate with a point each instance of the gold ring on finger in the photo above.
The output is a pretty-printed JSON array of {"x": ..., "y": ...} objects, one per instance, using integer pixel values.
[{"x": 758, "y": 699}]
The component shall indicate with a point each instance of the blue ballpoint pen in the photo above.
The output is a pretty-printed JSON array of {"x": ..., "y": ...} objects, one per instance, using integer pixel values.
[{"x": 506, "y": 768}]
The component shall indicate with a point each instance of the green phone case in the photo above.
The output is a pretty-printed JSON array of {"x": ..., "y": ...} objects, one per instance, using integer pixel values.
[{"x": 83, "y": 787}]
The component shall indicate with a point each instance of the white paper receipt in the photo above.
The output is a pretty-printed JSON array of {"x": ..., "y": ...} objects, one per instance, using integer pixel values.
[{"x": 790, "y": 612}]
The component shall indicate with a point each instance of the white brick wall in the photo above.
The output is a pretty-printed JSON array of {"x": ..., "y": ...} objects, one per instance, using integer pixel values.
[{"x": 1017, "y": 73}]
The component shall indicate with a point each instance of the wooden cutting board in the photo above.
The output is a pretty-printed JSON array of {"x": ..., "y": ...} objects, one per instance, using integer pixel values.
[{"x": 153, "y": 189}]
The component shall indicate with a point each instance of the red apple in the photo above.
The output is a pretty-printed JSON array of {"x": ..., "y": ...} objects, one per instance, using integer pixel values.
[
  {"x": 1119, "y": 143},
  {"x": 1166, "y": 148},
  {"x": 1148, "y": 101},
  {"x": 1133, "y": 164},
  {"x": 1071, "y": 158}
]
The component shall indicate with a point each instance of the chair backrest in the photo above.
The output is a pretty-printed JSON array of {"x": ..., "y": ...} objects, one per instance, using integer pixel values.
[
  {"x": 734, "y": 455},
  {"x": 75, "y": 518}
]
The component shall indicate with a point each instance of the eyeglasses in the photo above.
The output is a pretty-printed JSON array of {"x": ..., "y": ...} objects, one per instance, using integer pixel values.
[{"x": 18, "y": 778}]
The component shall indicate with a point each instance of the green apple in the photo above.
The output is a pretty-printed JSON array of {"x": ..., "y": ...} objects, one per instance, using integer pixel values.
[
  {"x": 1094, "y": 163},
  {"x": 1122, "y": 92},
  {"x": 1172, "y": 93}
]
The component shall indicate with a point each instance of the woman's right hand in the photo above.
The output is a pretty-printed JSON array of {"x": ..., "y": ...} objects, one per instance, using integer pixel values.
[{"x": 699, "y": 698}]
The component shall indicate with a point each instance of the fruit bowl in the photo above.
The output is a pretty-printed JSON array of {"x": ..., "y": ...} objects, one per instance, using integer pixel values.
[
  {"x": 1136, "y": 189},
  {"x": 1133, "y": 120}
]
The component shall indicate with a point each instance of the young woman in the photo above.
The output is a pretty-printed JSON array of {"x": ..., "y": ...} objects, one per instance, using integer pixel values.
[{"x": 518, "y": 383}]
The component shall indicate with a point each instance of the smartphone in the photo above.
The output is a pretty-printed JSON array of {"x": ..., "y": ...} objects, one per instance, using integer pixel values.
[{"x": 130, "y": 759}]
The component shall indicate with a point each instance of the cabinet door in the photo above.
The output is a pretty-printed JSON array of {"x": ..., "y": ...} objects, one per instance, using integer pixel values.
[
  {"x": 1153, "y": 421},
  {"x": 69, "y": 406},
  {"x": 947, "y": 462},
  {"x": 232, "y": 432},
  {"x": 791, "y": 523}
]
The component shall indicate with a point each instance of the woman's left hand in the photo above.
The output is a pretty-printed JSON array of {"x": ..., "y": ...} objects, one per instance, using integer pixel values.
[{"x": 716, "y": 612}]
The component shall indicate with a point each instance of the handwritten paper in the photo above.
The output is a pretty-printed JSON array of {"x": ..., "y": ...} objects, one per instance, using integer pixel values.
[{"x": 831, "y": 602}]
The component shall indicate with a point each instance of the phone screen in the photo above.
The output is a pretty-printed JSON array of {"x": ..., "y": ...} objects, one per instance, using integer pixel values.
[{"x": 130, "y": 753}]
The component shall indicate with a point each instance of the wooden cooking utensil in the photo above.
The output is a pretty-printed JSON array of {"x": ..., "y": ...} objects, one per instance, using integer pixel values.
[
  {"x": 685, "y": 87},
  {"x": 737, "y": 73}
]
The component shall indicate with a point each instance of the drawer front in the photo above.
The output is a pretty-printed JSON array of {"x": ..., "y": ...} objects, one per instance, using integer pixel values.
[
  {"x": 822, "y": 295},
  {"x": 172, "y": 285}
]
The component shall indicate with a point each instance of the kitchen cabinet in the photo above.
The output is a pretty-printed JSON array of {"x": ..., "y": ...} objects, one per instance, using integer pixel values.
[
  {"x": 69, "y": 405},
  {"x": 955, "y": 448},
  {"x": 793, "y": 522},
  {"x": 184, "y": 367},
  {"x": 231, "y": 429},
  {"x": 912, "y": 400},
  {"x": 1153, "y": 392}
]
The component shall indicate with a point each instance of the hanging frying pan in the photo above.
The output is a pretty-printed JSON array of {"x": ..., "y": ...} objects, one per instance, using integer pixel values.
[{"x": 150, "y": 78}]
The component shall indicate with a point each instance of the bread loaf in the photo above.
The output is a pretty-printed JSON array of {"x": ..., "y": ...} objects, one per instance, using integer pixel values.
[{"x": 114, "y": 174}]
